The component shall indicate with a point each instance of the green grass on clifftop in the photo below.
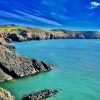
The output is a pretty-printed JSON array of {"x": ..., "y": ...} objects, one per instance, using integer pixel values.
[{"x": 11, "y": 28}]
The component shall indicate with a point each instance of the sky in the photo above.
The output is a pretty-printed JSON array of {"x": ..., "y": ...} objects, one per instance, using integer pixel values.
[{"x": 50, "y": 14}]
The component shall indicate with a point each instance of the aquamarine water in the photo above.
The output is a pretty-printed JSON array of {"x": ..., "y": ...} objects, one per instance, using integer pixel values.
[{"x": 76, "y": 72}]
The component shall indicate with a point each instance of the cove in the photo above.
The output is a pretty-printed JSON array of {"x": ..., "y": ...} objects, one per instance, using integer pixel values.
[{"x": 76, "y": 71}]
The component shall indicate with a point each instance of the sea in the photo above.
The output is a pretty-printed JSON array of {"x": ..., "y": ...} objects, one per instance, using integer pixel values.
[{"x": 76, "y": 69}]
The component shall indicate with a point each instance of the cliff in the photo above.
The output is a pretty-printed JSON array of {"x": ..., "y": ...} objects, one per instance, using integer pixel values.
[
  {"x": 18, "y": 33},
  {"x": 14, "y": 66},
  {"x": 41, "y": 95}
]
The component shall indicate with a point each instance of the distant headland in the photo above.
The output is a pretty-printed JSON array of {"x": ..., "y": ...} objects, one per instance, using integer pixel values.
[{"x": 15, "y": 33}]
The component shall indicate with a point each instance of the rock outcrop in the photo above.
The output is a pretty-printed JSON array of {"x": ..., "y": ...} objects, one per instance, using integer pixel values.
[
  {"x": 14, "y": 66},
  {"x": 41, "y": 95},
  {"x": 5, "y": 44},
  {"x": 5, "y": 95}
]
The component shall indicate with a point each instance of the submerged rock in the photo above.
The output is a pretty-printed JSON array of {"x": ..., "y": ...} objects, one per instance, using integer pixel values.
[
  {"x": 41, "y": 95},
  {"x": 5, "y": 95}
]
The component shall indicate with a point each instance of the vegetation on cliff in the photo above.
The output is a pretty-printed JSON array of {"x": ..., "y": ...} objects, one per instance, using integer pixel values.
[{"x": 18, "y": 33}]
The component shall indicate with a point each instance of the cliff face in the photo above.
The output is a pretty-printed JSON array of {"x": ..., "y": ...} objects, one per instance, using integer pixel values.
[
  {"x": 22, "y": 35},
  {"x": 14, "y": 66},
  {"x": 18, "y": 33}
]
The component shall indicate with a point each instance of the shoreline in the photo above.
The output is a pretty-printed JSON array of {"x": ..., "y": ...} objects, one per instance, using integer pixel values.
[
  {"x": 19, "y": 34},
  {"x": 17, "y": 66},
  {"x": 33, "y": 66}
]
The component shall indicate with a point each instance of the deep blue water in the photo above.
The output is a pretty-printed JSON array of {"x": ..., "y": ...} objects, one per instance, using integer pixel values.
[{"x": 76, "y": 72}]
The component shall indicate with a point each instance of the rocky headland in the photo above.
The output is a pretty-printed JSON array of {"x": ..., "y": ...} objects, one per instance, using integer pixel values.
[
  {"x": 18, "y": 34},
  {"x": 15, "y": 66}
]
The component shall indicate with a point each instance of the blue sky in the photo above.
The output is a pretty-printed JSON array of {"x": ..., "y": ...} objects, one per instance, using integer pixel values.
[{"x": 67, "y": 14}]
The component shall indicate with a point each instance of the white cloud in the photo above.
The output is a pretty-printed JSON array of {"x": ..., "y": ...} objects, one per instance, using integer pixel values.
[
  {"x": 40, "y": 19},
  {"x": 12, "y": 15},
  {"x": 28, "y": 17},
  {"x": 94, "y": 5}
]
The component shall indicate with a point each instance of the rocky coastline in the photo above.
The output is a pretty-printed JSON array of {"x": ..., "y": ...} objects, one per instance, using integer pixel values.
[
  {"x": 19, "y": 34},
  {"x": 16, "y": 66},
  {"x": 41, "y": 95}
]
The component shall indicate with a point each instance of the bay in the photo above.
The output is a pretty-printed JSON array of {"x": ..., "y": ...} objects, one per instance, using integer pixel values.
[{"x": 76, "y": 71}]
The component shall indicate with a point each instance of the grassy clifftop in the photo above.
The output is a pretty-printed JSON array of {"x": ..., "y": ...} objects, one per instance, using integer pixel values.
[
  {"x": 9, "y": 28},
  {"x": 20, "y": 33}
]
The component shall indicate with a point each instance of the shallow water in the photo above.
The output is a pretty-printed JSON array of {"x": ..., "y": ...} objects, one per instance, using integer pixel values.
[{"x": 76, "y": 72}]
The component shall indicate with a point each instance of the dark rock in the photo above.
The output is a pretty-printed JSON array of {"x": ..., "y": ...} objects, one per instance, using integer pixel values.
[
  {"x": 18, "y": 66},
  {"x": 91, "y": 35},
  {"x": 79, "y": 36},
  {"x": 26, "y": 34},
  {"x": 13, "y": 37},
  {"x": 41, "y": 95}
]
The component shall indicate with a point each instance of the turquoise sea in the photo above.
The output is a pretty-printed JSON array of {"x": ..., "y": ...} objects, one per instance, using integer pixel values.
[{"x": 76, "y": 71}]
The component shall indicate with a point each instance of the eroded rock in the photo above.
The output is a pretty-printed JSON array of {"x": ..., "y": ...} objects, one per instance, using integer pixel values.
[
  {"x": 5, "y": 95},
  {"x": 41, "y": 95},
  {"x": 4, "y": 76},
  {"x": 19, "y": 66}
]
